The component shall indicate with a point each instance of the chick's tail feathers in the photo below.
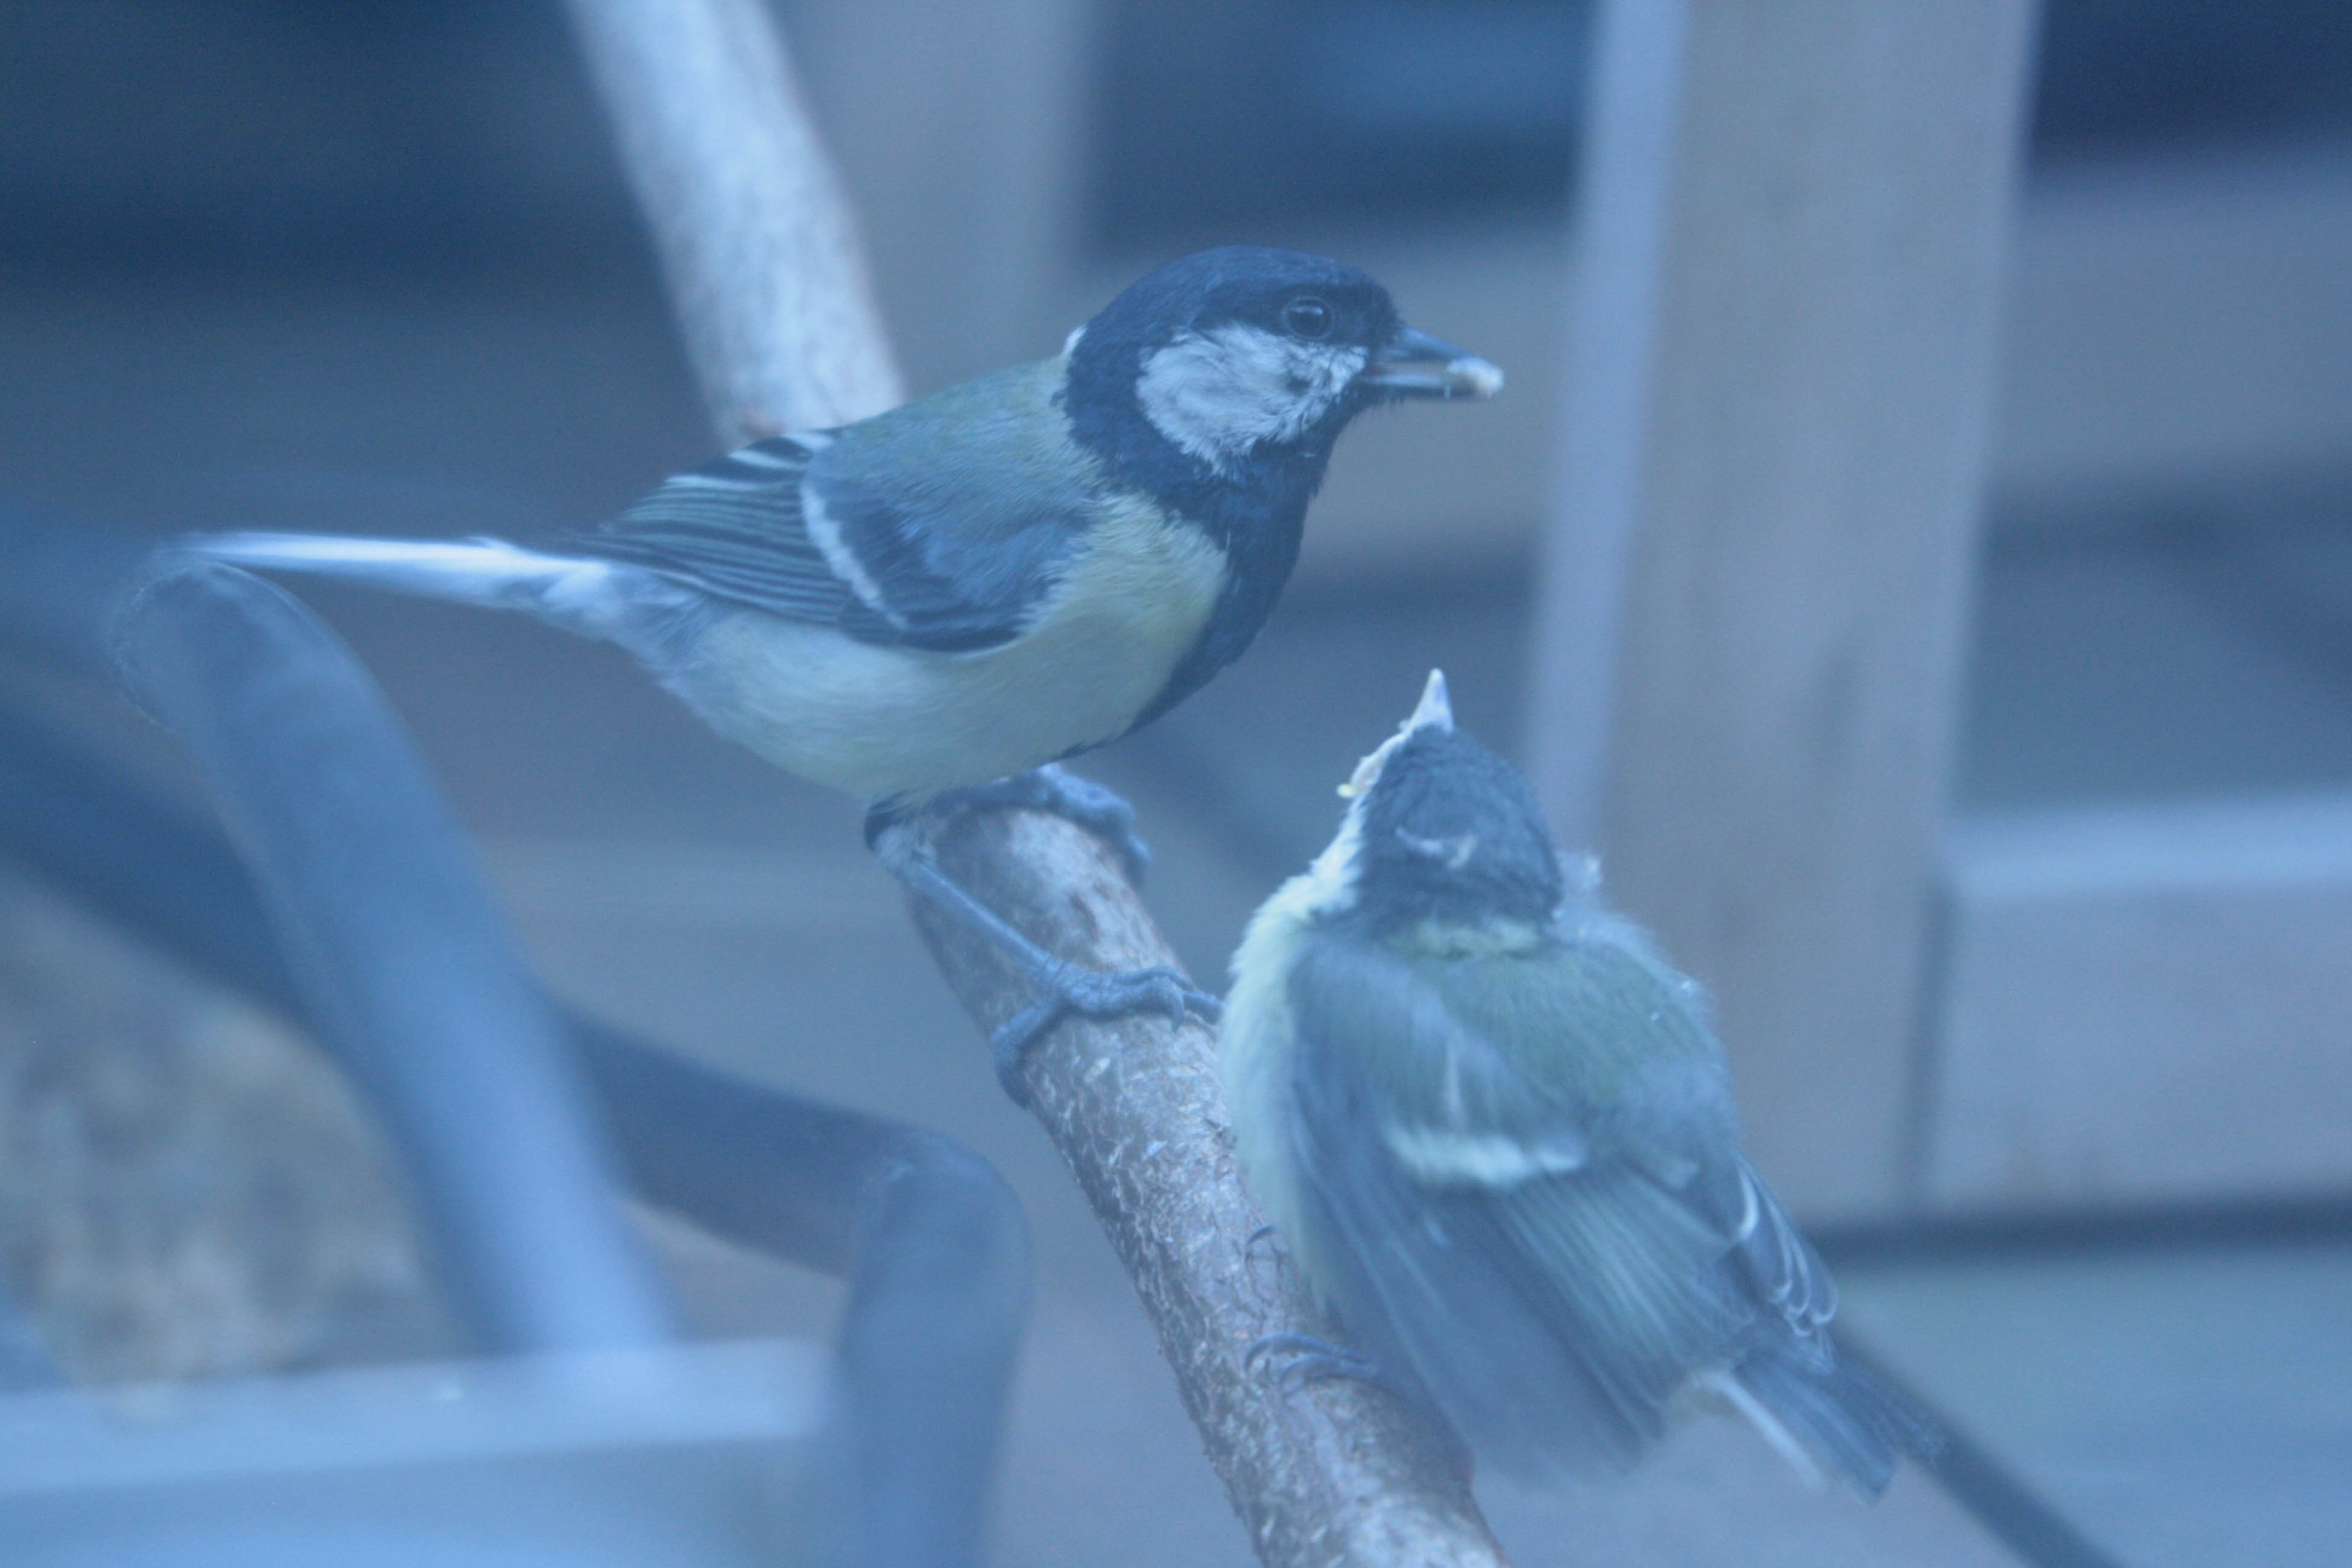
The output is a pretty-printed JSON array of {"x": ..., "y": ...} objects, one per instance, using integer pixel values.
[
  {"x": 607, "y": 600},
  {"x": 1853, "y": 1425}
]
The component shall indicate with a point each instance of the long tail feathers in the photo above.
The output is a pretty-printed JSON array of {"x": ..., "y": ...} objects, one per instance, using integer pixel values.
[
  {"x": 579, "y": 594},
  {"x": 1854, "y": 1424}
]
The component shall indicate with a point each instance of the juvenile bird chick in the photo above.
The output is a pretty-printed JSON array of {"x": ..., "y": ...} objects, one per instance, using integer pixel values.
[
  {"x": 1495, "y": 1131},
  {"x": 986, "y": 580}
]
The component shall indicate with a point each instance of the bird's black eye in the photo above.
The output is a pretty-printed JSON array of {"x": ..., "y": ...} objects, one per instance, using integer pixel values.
[{"x": 1307, "y": 318}]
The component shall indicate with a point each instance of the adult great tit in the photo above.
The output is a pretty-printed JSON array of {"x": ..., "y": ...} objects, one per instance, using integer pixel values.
[
  {"x": 1497, "y": 1132},
  {"x": 990, "y": 578}
]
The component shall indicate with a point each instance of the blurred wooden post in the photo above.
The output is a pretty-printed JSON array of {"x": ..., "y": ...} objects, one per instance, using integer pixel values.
[{"x": 1755, "y": 580}]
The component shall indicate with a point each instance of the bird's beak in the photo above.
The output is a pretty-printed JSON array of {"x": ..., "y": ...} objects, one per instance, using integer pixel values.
[
  {"x": 1412, "y": 364},
  {"x": 1435, "y": 707},
  {"x": 1435, "y": 711}
]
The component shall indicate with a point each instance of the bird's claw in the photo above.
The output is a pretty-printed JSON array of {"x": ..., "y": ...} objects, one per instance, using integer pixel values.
[
  {"x": 1067, "y": 987},
  {"x": 1093, "y": 993},
  {"x": 1306, "y": 1359},
  {"x": 1098, "y": 809}
]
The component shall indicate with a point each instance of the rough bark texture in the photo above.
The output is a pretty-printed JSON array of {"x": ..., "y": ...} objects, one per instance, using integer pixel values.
[
  {"x": 763, "y": 266},
  {"x": 1337, "y": 1472}
]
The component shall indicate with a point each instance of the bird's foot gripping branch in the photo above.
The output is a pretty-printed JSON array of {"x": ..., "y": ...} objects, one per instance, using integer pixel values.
[
  {"x": 1098, "y": 808},
  {"x": 904, "y": 842},
  {"x": 1332, "y": 1471}
]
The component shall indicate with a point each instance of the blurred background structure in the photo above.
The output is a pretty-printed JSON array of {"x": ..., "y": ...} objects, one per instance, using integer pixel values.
[{"x": 2088, "y": 1148}]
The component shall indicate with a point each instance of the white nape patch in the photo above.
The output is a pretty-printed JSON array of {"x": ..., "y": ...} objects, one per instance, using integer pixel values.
[
  {"x": 1446, "y": 1158},
  {"x": 1219, "y": 393},
  {"x": 1070, "y": 343},
  {"x": 837, "y": 555}
]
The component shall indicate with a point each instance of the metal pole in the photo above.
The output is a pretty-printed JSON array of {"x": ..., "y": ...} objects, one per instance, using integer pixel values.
[
  {"x": 932, "y": 1238},
  {"x": 398, "y": 954}
]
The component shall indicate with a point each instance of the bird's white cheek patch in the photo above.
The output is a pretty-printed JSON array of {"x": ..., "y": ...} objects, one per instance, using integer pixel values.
[{"x": 1217, "y": 393}]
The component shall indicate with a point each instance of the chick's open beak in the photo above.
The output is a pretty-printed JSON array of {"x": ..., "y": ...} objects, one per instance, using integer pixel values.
[{"x": 1412, "y": 364}]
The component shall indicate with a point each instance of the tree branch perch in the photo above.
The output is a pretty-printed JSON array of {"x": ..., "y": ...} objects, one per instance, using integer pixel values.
[
  {"x": 1336, "y": 1472},
  {"x": 766, "y": 276}
]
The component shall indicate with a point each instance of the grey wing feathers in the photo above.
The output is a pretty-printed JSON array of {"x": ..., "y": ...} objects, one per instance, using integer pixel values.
[
  {"x": 1554, "y": 1321},
  {"x": 1840, "y": 1413},
  {"x": 1836, "y": 1410},
  {"x": 1433, "y": 1288},
  {"x": 1779, "y": 1263},
  {"x": 904, "y": 549},
  {"x": 885, "y": 560},
  {"x": 732, "y": 528}
]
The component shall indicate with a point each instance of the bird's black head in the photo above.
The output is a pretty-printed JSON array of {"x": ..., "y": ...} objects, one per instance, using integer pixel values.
[
  {"x": 1446, "y": 830},
  {"x": 1239, "y": 366},
  {"x": 1216, "y": 386}
]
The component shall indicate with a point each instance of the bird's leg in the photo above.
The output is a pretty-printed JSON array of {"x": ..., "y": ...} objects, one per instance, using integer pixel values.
[
  {"x": 1301, "y": 1359},
  {"x": 1101, "y": 810},
  {"x": 1093, "y": 993},
  {"x": 1306, "y": 1359},
  {"x": 1263, "y": 1258}
]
